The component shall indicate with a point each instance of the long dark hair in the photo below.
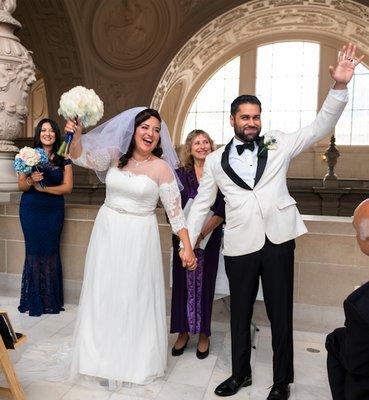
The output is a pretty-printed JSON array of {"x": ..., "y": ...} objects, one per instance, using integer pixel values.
[
  {"x": 57, "y": 160},
  {"x": 139, "y": 119}
]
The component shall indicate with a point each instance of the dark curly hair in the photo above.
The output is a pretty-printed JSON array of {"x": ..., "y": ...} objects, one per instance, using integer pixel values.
[
  {"x": 57, "y": 160},
  {"x": 139, "y": 119}
]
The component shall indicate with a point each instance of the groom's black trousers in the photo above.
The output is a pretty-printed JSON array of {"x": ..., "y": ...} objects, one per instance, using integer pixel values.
[{"x": 274, "y": 263}]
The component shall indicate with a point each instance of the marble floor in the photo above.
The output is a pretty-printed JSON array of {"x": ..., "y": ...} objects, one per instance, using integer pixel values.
[{"x": 186, "y": 378}]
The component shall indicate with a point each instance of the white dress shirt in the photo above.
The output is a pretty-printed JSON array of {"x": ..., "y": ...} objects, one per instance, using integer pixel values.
[{"x": 245, "y": 164}]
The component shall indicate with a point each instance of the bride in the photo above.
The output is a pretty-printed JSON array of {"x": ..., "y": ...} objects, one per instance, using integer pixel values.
[{"x": 120, "y": 332}]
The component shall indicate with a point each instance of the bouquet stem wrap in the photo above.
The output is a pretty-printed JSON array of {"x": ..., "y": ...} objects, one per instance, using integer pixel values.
[
  {"x": 64, "y": 148},
  {"x": 42, "y": 183}
]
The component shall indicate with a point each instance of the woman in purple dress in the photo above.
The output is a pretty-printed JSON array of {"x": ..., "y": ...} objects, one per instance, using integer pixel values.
[{"x": 193, "y": 291}]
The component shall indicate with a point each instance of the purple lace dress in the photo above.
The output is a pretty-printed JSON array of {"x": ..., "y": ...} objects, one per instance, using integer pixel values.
[
  {"x": 193, "y": 291},
  {"x": 42, "y": 217}
]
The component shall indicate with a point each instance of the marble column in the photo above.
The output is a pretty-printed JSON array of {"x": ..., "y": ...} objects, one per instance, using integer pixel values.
[{"x": 17, "y": 73}]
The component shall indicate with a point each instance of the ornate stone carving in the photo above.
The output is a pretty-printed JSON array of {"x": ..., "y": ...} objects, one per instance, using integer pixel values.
[
  {"x": 343, "y": 19},
  {"x": 17, "y": 73},
  {"x": 56, "y": 54},
  {"x": 7, "y": 8},
  {"x": 16, "y": 76},
  {"x": 115, "y": 95},
  {"x": 188, "y": 5},
  {"x": 125, "y": 33}
]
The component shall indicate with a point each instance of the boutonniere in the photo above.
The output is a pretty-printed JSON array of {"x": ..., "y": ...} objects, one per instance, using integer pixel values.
[{"x": 270, "y": 143}]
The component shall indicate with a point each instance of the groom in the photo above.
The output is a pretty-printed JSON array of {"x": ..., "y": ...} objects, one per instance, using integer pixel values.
[{"x": 262, "y": 222}]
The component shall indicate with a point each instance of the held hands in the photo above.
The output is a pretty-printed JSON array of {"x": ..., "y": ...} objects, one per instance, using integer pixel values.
[
  {"x": 346, "y": 64},
  {"x": 188, "y": 258}
]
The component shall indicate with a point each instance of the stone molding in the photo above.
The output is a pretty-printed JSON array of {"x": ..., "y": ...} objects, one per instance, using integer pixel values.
[{"x": 342, "y": 20}]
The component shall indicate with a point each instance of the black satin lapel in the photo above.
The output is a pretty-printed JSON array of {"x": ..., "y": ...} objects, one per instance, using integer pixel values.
[
  {"x": 229, "y": 171},
  {"x": 262, "y": 160}
]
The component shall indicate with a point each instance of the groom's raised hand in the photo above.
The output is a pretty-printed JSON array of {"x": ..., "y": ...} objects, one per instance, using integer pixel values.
[{"x": 346, "y": 63}]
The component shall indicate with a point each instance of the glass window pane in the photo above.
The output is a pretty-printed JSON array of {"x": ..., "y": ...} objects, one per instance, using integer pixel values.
[
  {"x": 361, "y": 92},
  {"x": 211, "y": 107},
  {"x": 360, "y": 125},
  {"x": 343, "y": 128},
  {"x": 289, "y": 94},
  {"x": 286, "y": 121},
  {"x": 212, "y": 123},
  {"x": 353, "y": 126}
]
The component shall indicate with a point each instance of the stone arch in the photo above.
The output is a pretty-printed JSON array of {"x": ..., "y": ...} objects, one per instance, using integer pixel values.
[{"x": 258, "y": 21}]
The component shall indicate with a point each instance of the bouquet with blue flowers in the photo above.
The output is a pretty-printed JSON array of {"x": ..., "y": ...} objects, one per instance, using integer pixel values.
[{"x": 28, "y": 159}]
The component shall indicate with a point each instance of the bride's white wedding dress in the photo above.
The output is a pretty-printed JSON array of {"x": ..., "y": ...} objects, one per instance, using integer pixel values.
[{"x": 120, "y": 332}]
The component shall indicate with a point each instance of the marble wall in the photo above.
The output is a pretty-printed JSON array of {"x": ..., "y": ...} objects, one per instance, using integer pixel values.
[{"x": 327, "y": 268}]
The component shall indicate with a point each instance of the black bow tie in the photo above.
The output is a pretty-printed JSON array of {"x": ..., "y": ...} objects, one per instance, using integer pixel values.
[{"x": 242, "y": 147}]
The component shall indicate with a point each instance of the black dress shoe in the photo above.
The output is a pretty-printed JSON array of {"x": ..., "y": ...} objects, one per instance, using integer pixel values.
[
  {"x": 179, "y": 352},
  {"x": 232, "y": 385},
  {"x": 202, "y": 354},
  {"x": 279, "y": 392}
]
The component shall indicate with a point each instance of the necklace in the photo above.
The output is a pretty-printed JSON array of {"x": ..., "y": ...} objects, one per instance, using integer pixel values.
[{"x": 138, "y": 163}]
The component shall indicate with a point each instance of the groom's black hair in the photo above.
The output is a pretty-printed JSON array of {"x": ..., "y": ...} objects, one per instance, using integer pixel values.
[{"x": 243, "y": 99}]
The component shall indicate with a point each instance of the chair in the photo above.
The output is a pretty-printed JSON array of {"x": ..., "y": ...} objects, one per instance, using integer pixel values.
[{"x": 14, "y": 390}]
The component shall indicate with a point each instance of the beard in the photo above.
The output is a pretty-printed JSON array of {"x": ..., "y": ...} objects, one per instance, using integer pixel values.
[{"x": 246, "y": 137}]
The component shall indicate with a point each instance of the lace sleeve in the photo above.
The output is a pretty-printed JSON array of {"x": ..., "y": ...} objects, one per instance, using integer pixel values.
[
  {"x": 171, "y": 199},
  {"x": 98, "y": 161}
]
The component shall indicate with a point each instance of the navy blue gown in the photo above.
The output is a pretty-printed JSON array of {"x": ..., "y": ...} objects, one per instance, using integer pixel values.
[{"x": 42, "y": 217}]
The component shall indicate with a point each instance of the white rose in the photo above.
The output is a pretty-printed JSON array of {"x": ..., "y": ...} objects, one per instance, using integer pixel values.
[{"x": 30, "y": 156}]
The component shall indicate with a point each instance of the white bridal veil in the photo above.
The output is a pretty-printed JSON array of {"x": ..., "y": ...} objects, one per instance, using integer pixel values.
[{"x": 112, "y": 138}]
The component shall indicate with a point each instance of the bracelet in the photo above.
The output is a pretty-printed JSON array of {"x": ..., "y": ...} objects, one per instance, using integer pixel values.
[{"x": 202, "y": 236}]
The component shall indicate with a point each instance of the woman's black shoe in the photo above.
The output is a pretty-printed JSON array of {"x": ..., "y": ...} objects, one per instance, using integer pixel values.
[
  {"x": 202, "y": 354},
  {"x": 179, "y": 352}
]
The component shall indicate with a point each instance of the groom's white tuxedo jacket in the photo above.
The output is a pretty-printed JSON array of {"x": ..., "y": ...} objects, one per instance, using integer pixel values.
[{"x": 267, "y": 209}]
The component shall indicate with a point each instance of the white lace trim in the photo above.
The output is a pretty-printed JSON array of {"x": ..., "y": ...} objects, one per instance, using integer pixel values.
[{"x": 171, "y": 199}]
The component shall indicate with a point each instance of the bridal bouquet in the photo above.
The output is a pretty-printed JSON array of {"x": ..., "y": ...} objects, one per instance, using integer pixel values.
[
  {"x": 81, "y": 103},
  {"x": 28, "y": 159}
]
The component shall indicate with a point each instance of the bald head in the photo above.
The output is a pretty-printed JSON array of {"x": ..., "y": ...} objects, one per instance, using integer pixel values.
[{"x": 361, "y": 225}]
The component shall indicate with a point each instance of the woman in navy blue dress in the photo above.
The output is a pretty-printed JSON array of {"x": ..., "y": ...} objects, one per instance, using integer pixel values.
[{"x": 41, "y": 215}]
